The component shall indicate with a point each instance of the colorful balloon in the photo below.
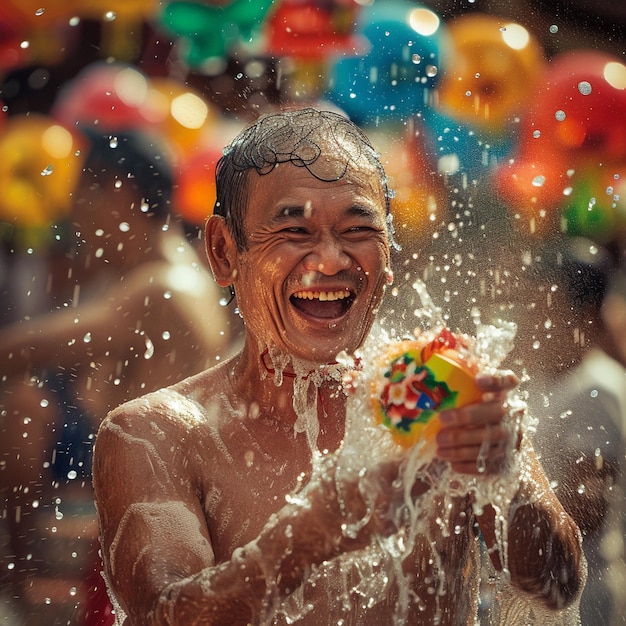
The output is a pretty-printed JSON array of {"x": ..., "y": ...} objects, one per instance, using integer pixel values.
[
  {"x": 177, "y": 112},
  {"x": 577, "y": 122},
  {"x": 596, "y": 207},
  {"x": 495, "y": 65},
  {"x": 106, "y": 95},
  {"x": 579, "y": 111},
  {"x": 40, "y": 164},
  {"x": 194, "y": 195},
  {"x": 211, "y": 31},
  {"x": 394, "y": 80},
  {"x": 306, "y": 29}
]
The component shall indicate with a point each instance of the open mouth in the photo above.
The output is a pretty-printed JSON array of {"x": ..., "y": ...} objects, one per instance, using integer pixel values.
[{"x": 323, "y": 304}]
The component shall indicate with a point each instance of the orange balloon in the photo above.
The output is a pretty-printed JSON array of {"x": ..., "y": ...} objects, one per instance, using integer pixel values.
[
  {"x": 179, "y": 112},
  {"x": 194, "y": 194},
  {"x": 419, "y": 191},
  {"x": 533, "y": 191},
  {"x": 40, "y": 163},
  {"x": 494, "y": 64}
]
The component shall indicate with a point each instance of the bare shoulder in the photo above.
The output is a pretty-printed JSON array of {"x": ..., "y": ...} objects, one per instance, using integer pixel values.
[{"x": 184, "y": 407}]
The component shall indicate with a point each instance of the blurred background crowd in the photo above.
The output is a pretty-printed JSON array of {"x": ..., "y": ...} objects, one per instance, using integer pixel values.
[{"x": 502, "y": 126}]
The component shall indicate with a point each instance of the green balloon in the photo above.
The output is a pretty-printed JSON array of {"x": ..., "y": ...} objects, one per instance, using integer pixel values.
[
  {"x": 589, "y": 213},
  {"x": 210, "y": 31}
]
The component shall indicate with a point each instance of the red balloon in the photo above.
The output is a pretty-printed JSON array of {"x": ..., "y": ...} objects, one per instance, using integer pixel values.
[
  {"x": 106, "y": 95},
  {"x": 579, "y": 111},
  {"x": 577, "y": 122}
]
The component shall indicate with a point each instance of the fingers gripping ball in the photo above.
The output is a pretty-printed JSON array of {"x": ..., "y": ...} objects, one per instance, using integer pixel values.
[{"x": 417, "y": 380}]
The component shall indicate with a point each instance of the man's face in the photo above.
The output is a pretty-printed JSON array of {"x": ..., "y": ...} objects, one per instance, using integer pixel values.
[{"x": 317, "y": 260}]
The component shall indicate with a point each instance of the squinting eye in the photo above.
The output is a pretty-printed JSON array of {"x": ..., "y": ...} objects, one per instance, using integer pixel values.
[{"x": 296, "y": 230}]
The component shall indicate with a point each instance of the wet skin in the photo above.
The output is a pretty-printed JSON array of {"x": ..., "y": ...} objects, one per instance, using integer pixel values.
[{"x": 187, "y": 476}]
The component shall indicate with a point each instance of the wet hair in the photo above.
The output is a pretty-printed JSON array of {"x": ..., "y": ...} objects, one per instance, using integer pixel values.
[
  {"x": 136, "y": 157},
  {"x": 300, "y": 137}
]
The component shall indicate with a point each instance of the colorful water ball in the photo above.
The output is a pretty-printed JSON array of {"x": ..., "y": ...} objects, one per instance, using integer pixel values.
[
  {"x": 394, "y": 79},
  {"x": 495, "y": 64},
  {"x": 40, "y": 164},
  {"x": 416, "y": 380}
]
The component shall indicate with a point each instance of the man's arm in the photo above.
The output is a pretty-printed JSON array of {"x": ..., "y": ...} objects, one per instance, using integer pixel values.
[
  {"x": 157, "y": 549},
  {"x": 543, "y": 543},
  {"x": 544, "y": 550}
]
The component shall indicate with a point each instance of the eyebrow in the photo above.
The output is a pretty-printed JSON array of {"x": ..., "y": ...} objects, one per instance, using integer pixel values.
[{"x": 356, "y": 210}]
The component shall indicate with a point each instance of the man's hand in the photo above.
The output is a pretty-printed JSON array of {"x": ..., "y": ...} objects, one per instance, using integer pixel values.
[{"x": 475, "y": 438}]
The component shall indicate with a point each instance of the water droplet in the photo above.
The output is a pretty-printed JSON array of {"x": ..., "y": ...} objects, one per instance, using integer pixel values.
[
  {"x": 87, "y": 338},
  {"x": 46, "y": 171},
  {"x": 149, "y": 353},
  {"x": 118, "y": 184},
  {"x": 113, "y": 142},
  {"x": 559, "y": 115},
  {"x": 124, "y": 227},
  {"x": 166, "y": 335},
  {"x": 44, "y": 403},
  {"x": 584, "y": 87},
  {"x": 416, "y": 59},
  {"x": 40, "y": 11},
  {"x": 167, "y": 295},
  {"x": 24, "y": 45},
  {"x": 72, "y": 474},
  {"x": 554, "y": 29},
  {"x": 539, "y": 181},
  {"x": 536, "y": 134},
  {"x": 109, "y": 16}
]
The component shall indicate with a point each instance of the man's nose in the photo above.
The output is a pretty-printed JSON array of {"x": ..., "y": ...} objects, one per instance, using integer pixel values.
[{"x": 327, "y": 257}]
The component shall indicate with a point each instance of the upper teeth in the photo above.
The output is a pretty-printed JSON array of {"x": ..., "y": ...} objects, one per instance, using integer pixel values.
[{"x": 322, "y": 295}]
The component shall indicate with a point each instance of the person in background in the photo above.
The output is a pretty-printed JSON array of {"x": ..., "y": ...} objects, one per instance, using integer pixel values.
[
  {"x": 143, "y": 311},
  {"x": 582, "y": 420},
  {"x": 225, "y": 498}
]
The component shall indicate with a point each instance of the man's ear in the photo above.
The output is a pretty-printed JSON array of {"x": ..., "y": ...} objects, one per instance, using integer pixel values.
[{"x": 221, "y": 250}]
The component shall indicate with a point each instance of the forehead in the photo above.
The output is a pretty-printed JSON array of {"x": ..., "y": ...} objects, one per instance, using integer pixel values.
[{"x": 289, "y": 187}]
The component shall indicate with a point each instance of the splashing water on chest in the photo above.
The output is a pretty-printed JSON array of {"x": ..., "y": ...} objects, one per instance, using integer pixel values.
[{"x": 415, "y": 569}]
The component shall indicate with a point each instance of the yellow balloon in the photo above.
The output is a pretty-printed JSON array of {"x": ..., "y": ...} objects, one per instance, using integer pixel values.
[
  {"x": 178, "y": 112},
  {"x": 494, "y": 64},
  {"x": 40, "y": 163}
]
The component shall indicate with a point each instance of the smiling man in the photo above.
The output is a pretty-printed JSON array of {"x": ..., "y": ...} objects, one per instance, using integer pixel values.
[{"x": 223, "y": 500}]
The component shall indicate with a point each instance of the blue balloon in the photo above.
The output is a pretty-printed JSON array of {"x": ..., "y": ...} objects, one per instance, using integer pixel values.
[
  {"x": 394, "y": 79},
  {"x": 463, "y": 149}
]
